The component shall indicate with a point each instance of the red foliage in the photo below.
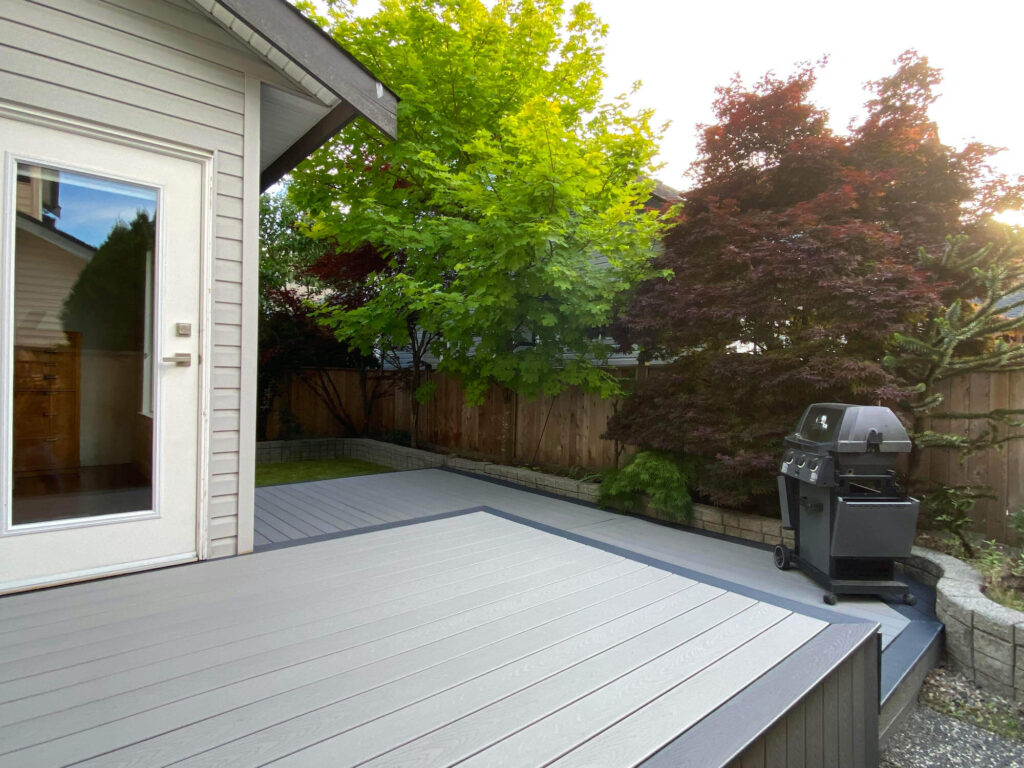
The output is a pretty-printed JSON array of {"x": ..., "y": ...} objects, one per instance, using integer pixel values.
[{"x": 794, "y": 260}]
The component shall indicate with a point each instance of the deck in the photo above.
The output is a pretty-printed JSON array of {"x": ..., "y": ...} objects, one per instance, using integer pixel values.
[
  {"x": 288, "y": 514},
  {"x": 422, "y": 635}
]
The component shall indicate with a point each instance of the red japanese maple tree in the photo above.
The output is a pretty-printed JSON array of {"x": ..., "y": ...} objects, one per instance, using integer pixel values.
[{"x": 794, "y": 260}]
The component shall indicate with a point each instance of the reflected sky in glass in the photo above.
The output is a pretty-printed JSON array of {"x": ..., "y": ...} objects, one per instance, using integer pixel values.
[{"x": 90, "y": 207}]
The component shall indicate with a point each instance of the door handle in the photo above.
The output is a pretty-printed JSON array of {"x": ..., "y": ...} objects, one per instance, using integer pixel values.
[{"x": 180, "y": 359}]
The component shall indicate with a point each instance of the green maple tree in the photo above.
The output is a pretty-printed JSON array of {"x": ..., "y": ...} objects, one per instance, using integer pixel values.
[{"x": 509, "y": 209}]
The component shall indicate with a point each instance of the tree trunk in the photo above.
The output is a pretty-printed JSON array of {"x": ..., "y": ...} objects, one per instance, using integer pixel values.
[
  {"x": 508, "y": 425},
  {"x": 414, "y": 404}
]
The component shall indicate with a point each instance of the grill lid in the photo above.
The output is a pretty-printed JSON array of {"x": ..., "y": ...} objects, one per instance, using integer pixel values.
[{"x": 852, "y": 428}]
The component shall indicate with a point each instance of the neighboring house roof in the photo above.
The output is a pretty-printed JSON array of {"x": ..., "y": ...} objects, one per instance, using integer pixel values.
[
  {"x": 62, "y": 240},
  {"x": 332, "y": 87},
  {"x": 661, "y": 194}
]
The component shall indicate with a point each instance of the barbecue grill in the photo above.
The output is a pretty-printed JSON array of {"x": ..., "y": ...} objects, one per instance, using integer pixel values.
[{"x": 839, "y": 494}]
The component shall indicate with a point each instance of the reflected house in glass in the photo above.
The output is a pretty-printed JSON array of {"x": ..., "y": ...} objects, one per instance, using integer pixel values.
[{"x": 137, "y": 137}]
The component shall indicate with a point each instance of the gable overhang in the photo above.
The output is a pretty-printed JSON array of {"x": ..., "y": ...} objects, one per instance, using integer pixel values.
[{"x": 331, "y": 87}]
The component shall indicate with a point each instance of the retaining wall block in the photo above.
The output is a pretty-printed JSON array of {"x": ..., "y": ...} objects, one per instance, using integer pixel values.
[
  {"x": 995, "y": 619},
  {"x": 709, "y": 515},
  {"x": 753, "y": 524},
  {"x": 959, "y": 637},
  {"x": 996, "y": 651}
]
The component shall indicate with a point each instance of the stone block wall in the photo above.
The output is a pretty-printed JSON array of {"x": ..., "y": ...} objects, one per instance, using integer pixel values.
[{"x": 984, "y": 640}]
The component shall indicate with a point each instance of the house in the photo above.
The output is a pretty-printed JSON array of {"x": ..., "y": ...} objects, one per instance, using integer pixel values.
[{"x": 136, "y": 137}]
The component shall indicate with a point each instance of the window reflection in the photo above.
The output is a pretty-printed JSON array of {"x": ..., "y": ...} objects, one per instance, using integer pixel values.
[{"x": 83, "y": 267}]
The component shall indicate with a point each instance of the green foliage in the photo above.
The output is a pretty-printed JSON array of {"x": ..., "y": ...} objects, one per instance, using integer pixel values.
[
  {"x": 1016, "y": 521},
  {"x": 949, "y": 507},
  {"x": 510, "y": 180},
  {"x": 968, "y": 332},
  {"x": 107, "y": 303},
  {"x": 663, "y": 478},
  {"x": 286, "y": 250}
]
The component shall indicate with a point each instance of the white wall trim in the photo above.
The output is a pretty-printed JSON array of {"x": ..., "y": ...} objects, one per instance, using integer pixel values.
[
  {"x": 95, "y": 573},
  {"x": 106, "y": 133},
  {"x": 250, "y": 317},
  {"x": 205, "y": 341}
]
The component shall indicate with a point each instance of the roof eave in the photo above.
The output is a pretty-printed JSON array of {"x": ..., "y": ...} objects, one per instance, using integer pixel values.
[{"x": 316, "y": 53}]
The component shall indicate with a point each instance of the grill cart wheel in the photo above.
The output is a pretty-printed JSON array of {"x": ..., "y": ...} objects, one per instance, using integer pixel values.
[
  {"x": 783, "y": 557},
  {"x": 909, "y": 598},
  {"x": 829, "y": 598}
]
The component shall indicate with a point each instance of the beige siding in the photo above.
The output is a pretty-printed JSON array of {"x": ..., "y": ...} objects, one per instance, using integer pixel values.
[{"x": 166, "y": 70}]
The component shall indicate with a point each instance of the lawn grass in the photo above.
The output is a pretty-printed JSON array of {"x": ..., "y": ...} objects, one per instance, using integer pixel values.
[{"x": 319, "y": 469}]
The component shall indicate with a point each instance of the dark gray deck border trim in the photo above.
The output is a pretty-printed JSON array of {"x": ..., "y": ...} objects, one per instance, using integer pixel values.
[
  {"x": 591, "y": 505},
  {"x": 904, "y": 651},
  {"x": 366, "y": 529},
  {"x": 316, "y": 52},
  {"x": 725, "y": 733}
]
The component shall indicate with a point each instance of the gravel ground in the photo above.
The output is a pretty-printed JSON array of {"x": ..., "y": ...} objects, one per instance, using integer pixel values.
[{"x": 931, "y": 740}]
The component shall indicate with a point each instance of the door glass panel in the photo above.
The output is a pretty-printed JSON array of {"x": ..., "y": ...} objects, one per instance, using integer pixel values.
[{"x": 82, "y": 421}]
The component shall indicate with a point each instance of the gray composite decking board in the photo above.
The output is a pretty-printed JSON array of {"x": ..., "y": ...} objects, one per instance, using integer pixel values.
[
  {"x": 302, "y": 642},
  {"x": 578, "y": 712},
  {"x": 307, "y": 514},
  {"x": 380, "y": 688},
  {"x": 324, "y": 498},
  {"x": 294, "y": 609},
  {"x": 297, "y": 642},
  {"x": 69, "y": 600},
  {"x": 739, "y": 564},
  {"x": 636, "y": 737},
  {"x": 293, "y": 526},
  {"x": 298, "y": 664},
  {"x": 497, "y": 681},
  {"x": 430, "y": 490},
  {"x": 320, "y": 575},
  {"x": 322, "y": 569},
  {"x": 331, "y": 512},
  {"x": 69, "y": 603},
  {"x": 325, "y": 521},
  {"x": 204, "y": 710},
  {"x": 420, "y": 492},
  {"x": 161, "y": 630}
]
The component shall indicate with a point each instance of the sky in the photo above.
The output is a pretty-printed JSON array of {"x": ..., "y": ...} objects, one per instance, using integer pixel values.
[
  {"x": 681, "y": 50},
  {"x": 90, "y": 207}
]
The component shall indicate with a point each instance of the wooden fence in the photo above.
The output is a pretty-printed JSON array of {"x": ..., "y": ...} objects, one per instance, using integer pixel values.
[
  {"x": 565, "y": 431},
  {"x": 1001, "y": 470}
]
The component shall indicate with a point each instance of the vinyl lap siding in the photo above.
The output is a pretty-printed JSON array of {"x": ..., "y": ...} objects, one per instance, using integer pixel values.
[{"x": 160, "y": 69}]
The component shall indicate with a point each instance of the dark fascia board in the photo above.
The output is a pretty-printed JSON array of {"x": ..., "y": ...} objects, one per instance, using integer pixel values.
[
  {"x": 314, "y": 138},
  {"x": 302, "y": 41}
]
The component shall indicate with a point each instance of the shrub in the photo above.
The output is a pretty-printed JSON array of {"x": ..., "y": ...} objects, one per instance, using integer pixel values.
[
  {"x": 663, "y": 478},
  {"x": 949, "y": 507}
]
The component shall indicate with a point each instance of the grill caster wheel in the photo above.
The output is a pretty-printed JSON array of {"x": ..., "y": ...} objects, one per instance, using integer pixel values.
[
  {"x": 829, "y": 598},
  {"x": 783, "y": 557},
  {"x": 909, "y": 598}
]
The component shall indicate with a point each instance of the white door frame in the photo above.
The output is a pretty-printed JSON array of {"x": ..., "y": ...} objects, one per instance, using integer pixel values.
[{"x": 206, "y": 160}]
